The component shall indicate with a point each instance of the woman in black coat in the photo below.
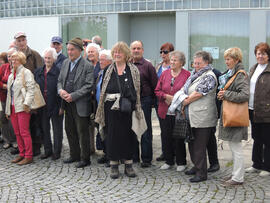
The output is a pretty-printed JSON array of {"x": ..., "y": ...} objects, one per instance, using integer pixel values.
[{"x": 47, "y": 77}]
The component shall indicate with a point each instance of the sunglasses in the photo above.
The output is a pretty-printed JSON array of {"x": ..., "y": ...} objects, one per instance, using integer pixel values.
[
  {"x": 164, "y": 52},
  {"x": 172, "y": 81}
]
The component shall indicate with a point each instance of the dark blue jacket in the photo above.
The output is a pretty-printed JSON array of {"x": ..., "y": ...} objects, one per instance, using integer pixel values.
[
  {"x": 53, "y": 100},
  {"x": 61, "y": 57}
]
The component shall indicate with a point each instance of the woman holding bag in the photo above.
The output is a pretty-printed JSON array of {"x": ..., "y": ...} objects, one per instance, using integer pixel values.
[
  {"x": 18, "y": 106},
  {"x": 236, "y": 92}
]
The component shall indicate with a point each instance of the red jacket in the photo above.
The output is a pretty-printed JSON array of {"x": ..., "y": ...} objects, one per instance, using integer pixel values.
[
  {"x": 5, "y": 71},
  {"x": 164, "y": 87}
]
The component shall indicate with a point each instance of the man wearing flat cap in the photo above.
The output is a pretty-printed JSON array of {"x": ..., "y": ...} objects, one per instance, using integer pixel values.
[
  {"x": 33, "y": 61},
  {"x": 74, "y": 86},
  {"x": 56, "y": 43}
]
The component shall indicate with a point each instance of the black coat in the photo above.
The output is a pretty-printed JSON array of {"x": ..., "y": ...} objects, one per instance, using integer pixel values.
[
  {"x": 60, "y": 60},
  {"x": 53, "y": 100}
]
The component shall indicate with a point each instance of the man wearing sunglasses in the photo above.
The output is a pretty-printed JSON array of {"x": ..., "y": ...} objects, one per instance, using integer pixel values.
[{"x": 148, "y": 78}]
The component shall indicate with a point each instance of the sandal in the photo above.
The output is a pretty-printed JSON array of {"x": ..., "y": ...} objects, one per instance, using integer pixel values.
[{"x": 6, "y": 146}]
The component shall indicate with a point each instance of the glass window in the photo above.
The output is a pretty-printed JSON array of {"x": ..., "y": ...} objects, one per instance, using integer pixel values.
[
  {"x": 41, "y": 11},
  {"x": 151, "y": 5},
  {"x": 28, "y": 12},
  {"x": 142, "y": 5},
  {"x": 1, "y": 14},
  {"x": 88, "y": 9},
  {"x": 29, "y": 4},
  {"x": 73, "y": 2},
  {"x": 12, "y": 5},
  {"x": 47, "y": 3},
  {"x": 53, "y": 2},
  {"x": 225, "y": 4},
  {"x": 126, "y": 6},
  {"x": 195, "y": 4},
  {"x": 118, "y": 7},
  {"x": 222, "y": 30},
  {"x": 12, "y": 13},
  {"x": 53, "y": 10},
  {"x": 22, "y": 4},
  {"x": 47, "y": 11},
  {"x": 205, "y": 3},
  {"x": 178, "y": 4},
  {"x": 268, "y": 28},
  {"x": 168, "y": 5},
  {"x": 186, "y": 4},
  {"x": 23, "y": 13},
  {"x": 88, "y": 1},
  {"x": 60, "y": 10},
  {"x": 80, "y": 2},
  {"x": 1, "y": 6},
  {"x": 34, "y": 11},
  {"x": 61, "y": 2},
  {"x": 159, "y": 5},
  {"x": 244, "y": 3},
  {"x": 134, "y": 6},
  {"x": 265, "y": 3},
  {"x": 95, "y": 8},
  {"x": 81, "y": 8},
  {"x": 41, "y": 3},
  {"x": 34, "y": 3},
  {"x": 110, "y": 7},
  {"x": 254, "y": 3},
  {"x": 234, "y": 4},
  {"x": 215, "y": 4},
  {"x": 18, "y": 12}
]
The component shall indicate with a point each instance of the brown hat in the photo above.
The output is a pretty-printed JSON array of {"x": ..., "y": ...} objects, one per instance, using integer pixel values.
[{"x": 76, "y": 42}]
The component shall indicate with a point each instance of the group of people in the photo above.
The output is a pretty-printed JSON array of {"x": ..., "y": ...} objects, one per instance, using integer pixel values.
[{"x": 112, "y": 92}]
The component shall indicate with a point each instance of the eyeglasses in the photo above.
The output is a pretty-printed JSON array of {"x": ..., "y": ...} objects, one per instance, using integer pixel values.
[
  {"x": 164, "y": 52},
  {"x": 172, "y": 81}
]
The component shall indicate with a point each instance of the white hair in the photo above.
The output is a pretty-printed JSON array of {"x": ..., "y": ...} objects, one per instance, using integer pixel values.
[
  {"x": 96, "y": 46},
  {"x": 50, "y": 50},
  {"x": 97, "y": 39},
  {"x": 107, "y": 53}
]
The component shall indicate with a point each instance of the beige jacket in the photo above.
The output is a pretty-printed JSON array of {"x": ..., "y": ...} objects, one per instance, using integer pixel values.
[
  {"x": 21, "y": 95},
  {"x": 138, "y": 120}
]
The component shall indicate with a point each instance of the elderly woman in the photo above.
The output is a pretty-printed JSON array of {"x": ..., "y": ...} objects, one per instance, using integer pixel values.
[
  {"x": 18, "y": 106},
  {"x": 92, "y": 51},
  {"x": 237, "y": 92},
  {"x": 169, "y": 83},
  {"x": 200, "y": 108},
  {"x": 46, "y": 77},
  {"x": 165, "y": 49},
  {"x": 121, "y": 79},
  {"x": 7, "y": 130},
  {"x": 259, "y": 110}
]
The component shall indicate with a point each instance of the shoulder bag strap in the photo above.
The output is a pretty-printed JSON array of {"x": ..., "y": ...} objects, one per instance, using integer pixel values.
[{"x": 232, "y": 79}]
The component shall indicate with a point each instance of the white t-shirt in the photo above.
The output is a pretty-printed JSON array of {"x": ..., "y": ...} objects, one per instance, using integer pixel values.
[{"x": 260, "y": 68}]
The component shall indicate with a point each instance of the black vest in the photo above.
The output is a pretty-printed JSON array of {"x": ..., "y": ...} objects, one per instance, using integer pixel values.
[{"x": 69, "y": 87}]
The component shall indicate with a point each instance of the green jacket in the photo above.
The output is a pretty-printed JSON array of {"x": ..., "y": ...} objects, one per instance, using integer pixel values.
[{"x": 237, "y": 92}]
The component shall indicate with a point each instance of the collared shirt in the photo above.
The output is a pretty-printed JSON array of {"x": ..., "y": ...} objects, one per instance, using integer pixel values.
[
  {"x": 148, "y": 77},
  {"x": 60, "y": 52},
  {"x": 73, "y": 64}
]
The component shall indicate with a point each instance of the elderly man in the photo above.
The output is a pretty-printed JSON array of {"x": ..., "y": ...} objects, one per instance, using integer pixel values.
[
  {"x": 33, "y": 61},
  {"x": 74, "y": 86},
  {"x": 56, "y": 43},
  {"x": 148, "y": 83},
  {"x": 105, "y": 60},
  {"x": 97, "y": 40}
]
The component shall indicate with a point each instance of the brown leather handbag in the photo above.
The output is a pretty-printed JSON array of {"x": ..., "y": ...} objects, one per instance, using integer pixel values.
[{"x": 235, "y": 114}]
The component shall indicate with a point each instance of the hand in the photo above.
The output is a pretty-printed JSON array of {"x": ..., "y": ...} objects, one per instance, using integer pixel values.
[
  {"x": 63, "y": 94},
  {"x": 220, "y": 94},
  {"x": 26, "y": 108},
  {"x": 7, "y": 116},
  {"x": 4, "y": 86},
  {"x": 185, "y": 102},
  {"x": 168, "y": 99},
  {"x": 68, "y": 98}
]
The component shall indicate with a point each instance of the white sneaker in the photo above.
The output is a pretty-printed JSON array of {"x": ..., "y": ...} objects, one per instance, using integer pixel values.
[
  {"x": 264, "y": 173},
  {"x": 181, "y": 168},
  {"x": 165, "y": 167},
  {"x": 252, "y": 170}
]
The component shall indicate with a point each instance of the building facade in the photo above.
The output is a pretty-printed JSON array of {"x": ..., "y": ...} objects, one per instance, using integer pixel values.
[{"x": 191, "y": 25}]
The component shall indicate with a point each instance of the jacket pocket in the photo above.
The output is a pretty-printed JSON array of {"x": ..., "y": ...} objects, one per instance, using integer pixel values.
[{"x": 200, "y": 108}]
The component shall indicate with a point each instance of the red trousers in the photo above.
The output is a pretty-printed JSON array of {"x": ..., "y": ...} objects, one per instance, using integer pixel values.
[{"x": 20, "y": 122}]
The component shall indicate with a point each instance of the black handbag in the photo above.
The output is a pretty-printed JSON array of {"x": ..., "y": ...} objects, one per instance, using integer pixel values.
[
  {"x": 124, "y": 103},
  {"x": 182, "y": 129}
]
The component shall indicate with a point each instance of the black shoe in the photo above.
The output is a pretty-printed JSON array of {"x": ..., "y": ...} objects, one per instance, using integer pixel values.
[
  {"x": 192, "y": 171},
  {"x": 213, "y": 168},
  {"x": 114, "y": 172},
  {"x": 129, "y": 171},
  {"x": 136, "y": 161},
  {"x": 197, "y": 179},
  {"x": 145, "y": 164},
  {"x": 56, "y": 156},
  {"x": 102, "y": 160},
  {"x": 161, "y": 158},
  {"x": 82, "y": 164},
  {"x": 45, "y": 156},
  {"x": 70, "y": 160},
  {"x": 14, "y": 151}
]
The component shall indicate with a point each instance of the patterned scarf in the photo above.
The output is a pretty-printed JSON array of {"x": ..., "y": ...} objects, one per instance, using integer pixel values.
[
  {"x": 224, "y": 78},
  {"x": 194, "y": 75}
]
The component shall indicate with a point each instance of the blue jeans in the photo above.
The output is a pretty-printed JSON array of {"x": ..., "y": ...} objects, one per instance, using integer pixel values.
[{"x": 147, "y": 137}]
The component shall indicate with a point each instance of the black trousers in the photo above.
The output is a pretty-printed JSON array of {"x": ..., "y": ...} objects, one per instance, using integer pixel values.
[
  {"x": 212, "y": 148},
  {"x": 57, "y": 124},
  {"x": 260, "y": 133},
  {"x": 172, "y": 147},
  {"x": 197, "y": 150},
  {"x": 77, "y": 129}
]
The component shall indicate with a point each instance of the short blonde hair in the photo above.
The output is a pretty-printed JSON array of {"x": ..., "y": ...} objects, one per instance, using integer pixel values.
[
  {"x": 20, "y": 55},
  {"x": 235, "y": 53},
  {"x": 123, "y": 47}
]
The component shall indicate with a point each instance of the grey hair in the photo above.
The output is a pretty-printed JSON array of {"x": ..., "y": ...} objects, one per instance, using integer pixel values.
[
  {"x": 50, "y": 50},
  {"x": 96, "y": 46},
  {"x": 97, "y": 40},
  {"x": 107, "y": 53},
  {"x": 206, "y": 56},
  {"x": 180, "y": 55}
]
